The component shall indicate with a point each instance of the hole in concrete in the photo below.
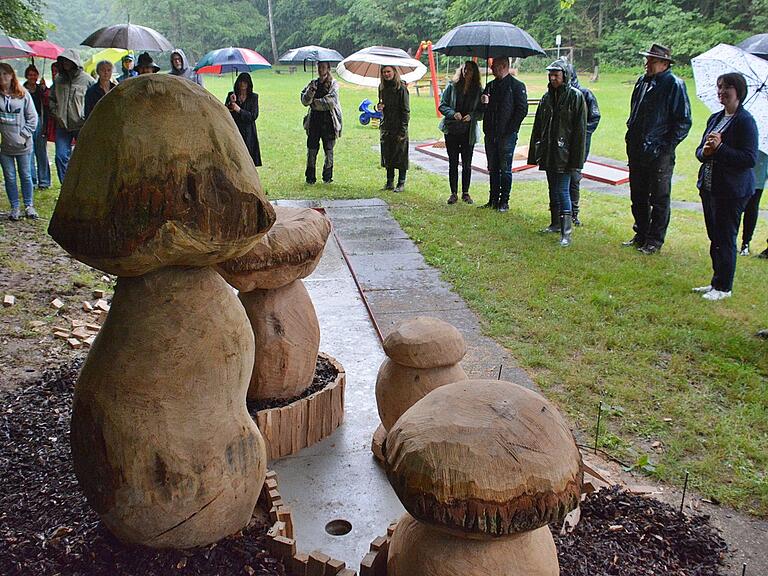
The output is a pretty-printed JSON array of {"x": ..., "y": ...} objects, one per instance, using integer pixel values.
[{"x": 338, "y": 527}]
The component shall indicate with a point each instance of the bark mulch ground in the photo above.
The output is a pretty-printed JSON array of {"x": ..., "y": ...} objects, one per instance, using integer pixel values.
[
  {"x": 623, "y": 534},
  {"x": 46, "y": 525}
]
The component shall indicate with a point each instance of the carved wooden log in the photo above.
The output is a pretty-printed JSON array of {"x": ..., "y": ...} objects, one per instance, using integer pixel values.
[
  {"x": 162, "y": 443},
  {"x": 418, "y": 548},
  {"x": 484, "y": 457},
  {"x": 399, "y": 387},
  {"x": 287, "y": 337},
  {"x": 159, "y": 177}
]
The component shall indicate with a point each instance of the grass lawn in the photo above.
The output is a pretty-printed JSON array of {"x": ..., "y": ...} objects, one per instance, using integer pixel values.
[{"x": 590, "y": 322}]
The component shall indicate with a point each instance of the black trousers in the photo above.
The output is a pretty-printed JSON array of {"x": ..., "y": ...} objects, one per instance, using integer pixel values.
[
  {"x": 750, "y": 217},
  {"x": 650, "y": 187},
  {"x": 458, "y": 145},
  {"x": 316, "y": 133},
  {"x": 722, "y": 217}
]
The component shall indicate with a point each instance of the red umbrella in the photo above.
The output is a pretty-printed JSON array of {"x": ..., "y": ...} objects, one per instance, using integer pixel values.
[{"x": 45, "y": 49}]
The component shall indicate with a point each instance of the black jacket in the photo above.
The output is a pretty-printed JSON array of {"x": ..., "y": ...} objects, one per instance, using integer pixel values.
[
  {"x": 732, "y": 162},
  {"x": 559, "y": 133},
  {"x": 245, "y": 120},
  {"x": 593, "y": 110},
  {"x": 659, "y": 122},
  {"x": 507, "y": 108}
]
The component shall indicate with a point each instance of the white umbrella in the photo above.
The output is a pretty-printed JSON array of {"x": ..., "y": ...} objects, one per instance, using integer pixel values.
[
  {"x": 722, "y": 59},
  {"x": 363, "y": 66}
]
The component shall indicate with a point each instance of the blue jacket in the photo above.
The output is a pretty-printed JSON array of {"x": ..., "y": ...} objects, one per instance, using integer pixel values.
[
  {"x": 734, "y": 159},
  {"x": 659, "y": 122}
]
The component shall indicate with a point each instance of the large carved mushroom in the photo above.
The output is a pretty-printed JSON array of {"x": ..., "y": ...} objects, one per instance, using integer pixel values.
[
  {"x": 160, "y": 187},
  {"x": 423, "y": 353},
  {"x": 282, "y": 315},
  {"x": 481, "y": 459}
]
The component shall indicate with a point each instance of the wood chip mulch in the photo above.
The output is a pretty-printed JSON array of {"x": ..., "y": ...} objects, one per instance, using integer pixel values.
[
  {"x": 623, "y": 534},
  {"x": 46, "y": 524}
]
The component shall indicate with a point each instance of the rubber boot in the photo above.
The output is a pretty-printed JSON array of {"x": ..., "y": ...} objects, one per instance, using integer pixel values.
[
  {"x": 554, "y": 220},
  {"x": 503, "y": 205},
  {"x": 310, "y": 173},
  {"x": 400, "y": 181},
  {"x": 328, "y": 166},
  {"x": 566, "y": 228}
]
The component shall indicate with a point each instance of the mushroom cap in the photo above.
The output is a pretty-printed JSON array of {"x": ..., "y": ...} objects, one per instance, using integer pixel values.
[
  {"x": 485, "y": 457},
  {"x": 290, "y": 250},
  {"x": 160, "y": 177},
  {"x": 425, "y": 342}
]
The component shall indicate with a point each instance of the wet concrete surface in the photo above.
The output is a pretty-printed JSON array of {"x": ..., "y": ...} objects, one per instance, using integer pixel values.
[{"x": 338, "y": 477}]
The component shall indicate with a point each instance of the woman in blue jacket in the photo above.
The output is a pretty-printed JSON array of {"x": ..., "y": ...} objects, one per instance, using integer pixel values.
[{"x": 727, "y": 153}]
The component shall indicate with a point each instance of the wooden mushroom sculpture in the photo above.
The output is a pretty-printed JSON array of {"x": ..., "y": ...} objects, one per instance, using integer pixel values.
[
  {"x": 282, "y": 316},
  {"x": 482, "y": 467},
  {"x": 159, "y": 188},
  {"x": 423, "y": 353}
]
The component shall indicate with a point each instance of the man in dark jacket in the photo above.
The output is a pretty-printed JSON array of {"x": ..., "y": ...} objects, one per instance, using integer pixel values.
[
  {"x": 558, "y": 141},
  {"x": 593, "y": 119},
  {"x": 659, "y": 119},
  {"x": 504, "y": 104},
  {"x": 180, "y": 67}
]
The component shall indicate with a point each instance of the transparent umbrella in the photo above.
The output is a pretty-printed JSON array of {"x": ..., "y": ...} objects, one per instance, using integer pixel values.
[{"x": 722, "y": 59}]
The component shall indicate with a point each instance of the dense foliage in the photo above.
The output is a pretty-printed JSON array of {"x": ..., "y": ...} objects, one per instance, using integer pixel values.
[
  {"x": 23, "y": 19},
  {"x": 610, "y": 31}
]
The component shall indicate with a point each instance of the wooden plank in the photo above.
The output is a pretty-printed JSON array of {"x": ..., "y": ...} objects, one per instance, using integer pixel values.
[
  {"x": 283, "y": 546},
  {"x": 367, "y": 564},
  {"x": 286, "y": 425},
  {"x": 333, "y": 567},
  {"x": 285, "y": 516},
  {"x": 316, "y": 563},
  {"x": 297, "y": 565}
]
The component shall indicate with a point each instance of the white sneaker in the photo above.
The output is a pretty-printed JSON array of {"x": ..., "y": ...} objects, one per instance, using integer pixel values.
[
  {"x": 702, "y": 289},
  {"x": 716, "y": 295}
]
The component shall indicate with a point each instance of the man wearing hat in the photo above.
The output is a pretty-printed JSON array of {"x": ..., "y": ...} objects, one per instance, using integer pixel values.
[
  {"x": 67, "y": 104},
  {"x": 128, "y": 71},
  {"x": 659, "y": 119},
  {"x": 146, "y": 65}
]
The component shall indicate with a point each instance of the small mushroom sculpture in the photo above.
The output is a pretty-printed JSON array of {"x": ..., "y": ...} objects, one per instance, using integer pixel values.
[
  {"x": 159, "y": 188},
  {"x": 482, "y": 467},
  {"x": 423, "y": 353},
  {"x": 278, "y": 305}
]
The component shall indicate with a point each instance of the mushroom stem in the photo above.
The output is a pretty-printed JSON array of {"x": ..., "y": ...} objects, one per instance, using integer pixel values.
[
  {"x": 287, "y": 338},
  {"x": 418, "y": 548},
  {"x": 162, "y": 443}
]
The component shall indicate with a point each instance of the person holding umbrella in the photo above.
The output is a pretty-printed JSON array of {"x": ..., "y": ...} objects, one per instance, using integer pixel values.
[
  {"x": 67, "y": 103},
  {"x": 727, "y": 153},
  {"x": 394, "y": 104},
  {"x": 558, "y": 140},
  {"x": 504, "y": 103},
  {"x": 460, "y": 109},
  {"x": 322, "y": 121},
  {"x": 243, "y": 104}
]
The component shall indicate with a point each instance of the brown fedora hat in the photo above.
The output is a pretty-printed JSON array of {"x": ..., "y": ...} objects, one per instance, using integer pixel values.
[{"x": 660, "y": 52}]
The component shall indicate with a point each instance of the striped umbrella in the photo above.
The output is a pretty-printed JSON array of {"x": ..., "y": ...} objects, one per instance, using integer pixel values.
[
  {"x": 13, "y": 47},
  {"x": 231, "y": 60}
]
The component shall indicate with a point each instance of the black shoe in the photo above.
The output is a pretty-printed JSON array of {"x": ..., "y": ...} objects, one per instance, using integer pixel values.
[
  {"x": 452, "y": 199},
  {"x": 467, "y": 198},
  {"x": 310, "y": 182},
  {"x": 504, "y": 208},
  {"x": 400, "y": 187},
  {"x": 763, "y": 254},
  {"x": 635, "y": 241},
  {"x": 388, "y": 186},
  {"x": 576, "y": 221},
  {"x": 649, "y": 249},
  {"x": 488, "y": 204}
]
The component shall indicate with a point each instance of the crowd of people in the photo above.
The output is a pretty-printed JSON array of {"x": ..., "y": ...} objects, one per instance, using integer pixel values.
[{"x": 731, "y": 177}]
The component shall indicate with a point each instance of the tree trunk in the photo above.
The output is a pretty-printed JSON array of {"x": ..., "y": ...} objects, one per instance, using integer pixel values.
[{"x": 272, "y": 33}]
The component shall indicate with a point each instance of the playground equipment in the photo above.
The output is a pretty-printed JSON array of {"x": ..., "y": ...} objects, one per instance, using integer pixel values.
[
  {"x": 427, "y": 44},
  {"x": 367, "y": 114}
]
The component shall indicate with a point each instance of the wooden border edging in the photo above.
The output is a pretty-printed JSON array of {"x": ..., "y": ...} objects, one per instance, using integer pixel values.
[{"x": 288, "y": 429}]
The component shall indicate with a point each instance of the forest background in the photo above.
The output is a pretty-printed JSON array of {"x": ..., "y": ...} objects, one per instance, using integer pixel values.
[{"x": 606, "y": 31}]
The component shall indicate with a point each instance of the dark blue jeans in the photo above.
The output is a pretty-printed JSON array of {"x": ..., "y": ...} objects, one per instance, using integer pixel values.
[
  {"x": 559, "y": 190},
  {"x": 722, "y": 217},
  {"x": 500, "y": 152},
  {"x": 64, "y": 140},
  {"x": 41, "y": 170}
]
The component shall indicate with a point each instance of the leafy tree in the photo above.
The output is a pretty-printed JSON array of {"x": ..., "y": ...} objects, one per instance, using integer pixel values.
[{"x": 24, "y": 19}]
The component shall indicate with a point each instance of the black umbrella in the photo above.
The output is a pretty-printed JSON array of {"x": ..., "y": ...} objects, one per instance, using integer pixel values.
[
  {"x": 488, "y": 40},
  {"x": 310, "y": 54},
  {"x": 129, "y": 37},
  {"x": 757, "y": 45}
]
